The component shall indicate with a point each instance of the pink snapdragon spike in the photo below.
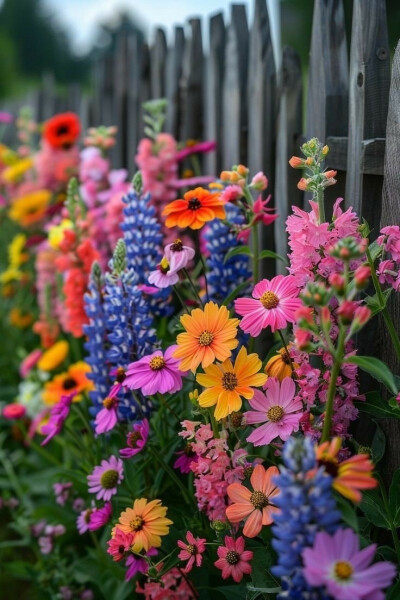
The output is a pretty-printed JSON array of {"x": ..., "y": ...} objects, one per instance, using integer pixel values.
[
  {"x": 337, "y": 563},
  {"x": 100, "y": 517},
  {"x": 278, "y": 410},
  {"x": 155, "y": 373},
  {"x": 29, "y": 362},
  {"x": 107, "y": 418},
  {"x": 164, "y": 275},
  {"x": 178, "y": 255},
  {"x": 136, "y": 439},
  {"x": 105, "y": 478},
  {"x": 192, "y": 551},
  {"x": 13, "y": 411},
  {"x": 234, "y": 559},
  {"x": 274, "y": 304},
  {"x": 58, "y": 415}
]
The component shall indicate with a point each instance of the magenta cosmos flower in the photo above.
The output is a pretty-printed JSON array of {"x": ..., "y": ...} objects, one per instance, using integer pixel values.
[
  {"x": 274, "y": 303},
  {"x": 105, "y": 478},
  {"x": 192, "y": 551},
  {"x": 234, "y": 559},
  {"x": 178, "y": 255},
  {"x": 106, "y": 418},
  {"x": 83, "y": 520},
  {"x": 277, "y": 409},
  {"x": 337, "y": 563},
  {"x": 136, "y": 439},
  {"x": 100, "y": 516},
  {"x": 154, "y": 373},
  {"x": 58, "y": 415},
  {"x": 13, "y": 411},
  {"x": 164, "y": 275}
]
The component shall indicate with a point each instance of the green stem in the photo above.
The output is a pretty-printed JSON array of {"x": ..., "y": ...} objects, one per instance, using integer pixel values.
[
  {"x": 338, "y": 359},
  {"x": 205, "y": 276},
  {"x": 214, "y": 424},
  {"x": 286, "y": 348},
  {"x": 171, "y": 473},
  {"x": 181, "y": 299},
  {"x": 319, "y": 195},
  {"x": 382, "y": 303},
  {"x": 193, "y": 287},
  {"x": 255, "y": 244},
  {"x": 393, "y": 529},
  {"x": 168, "y": 407}
]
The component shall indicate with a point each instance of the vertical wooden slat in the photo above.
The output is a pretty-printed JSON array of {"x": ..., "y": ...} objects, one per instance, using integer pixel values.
[
  {"x": 174, "y": 68},
  {"x": 119, "y": 107},
  {"x": 192, "y": 82},
  {"x": 133, "y": 98},
  {"x": 234, "y": 103},
  {"x": 144, "y": 87},
  {"x": 288, "y": 141},
  {"x": 368, "y": 103},
  {"x": 213, "y": 93},
  {"x": 158, "y": 55}
]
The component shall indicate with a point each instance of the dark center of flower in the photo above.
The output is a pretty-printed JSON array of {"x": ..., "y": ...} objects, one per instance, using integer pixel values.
[
  {"x": 87, "y": 515},
  {"x": 248, "y": 471},
  {"x": 269, "y": 300},
  {"x": 177, "y": 246},
  {"x": 62, "y": 129},
  {"x": 69, "y": 383},
  {"x": 343, "y": 570},
  {"x": 259, "y": 500},
  {"x": 232, "y": 557},
  {"x": 330, "y": 465},
  {"x": 229, "y": 381},
  {"x": 205, "y": 338},
  {"x": 191, "y": 549},
  {"x": 188, "y": 450},
  {"x": 133, "y": 438},
  {"x": 121, "y": 549},
  {"x": 109, "y": 403},
  {"x": 285, "y": 357},
  {"x": 194, "y": 204},
  {"x": 120, "y": 377},
  {"x": 236, "y": 419},
  {"x": 109, "y": 479},
  {"x": 157, "y": 363},
  {"x": 136, "y": 524},
  {"x": 275, "y": 413}
]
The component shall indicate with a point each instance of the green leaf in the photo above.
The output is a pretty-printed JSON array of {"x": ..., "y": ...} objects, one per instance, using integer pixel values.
[
  {"x": 376, "y": 368},
  {"x": 375, "y": 405},
  {"x": 378, "y": 444},
  {"x": 394, "y": 499},
  {"x": 237, "y": 250},
  {"x": 394, "y": 592},
  {"x": 348, "y": 512},
  {"x": 375, "y": 250},
  {"x": 371, "y": 506},
  {"x": 240, "y": 288},
  {"x": 374, "y": 304},
  {"x": 387, "y": 553},
  {"x": 232, "y": 592},
  {"x": 270, "y": 254}
]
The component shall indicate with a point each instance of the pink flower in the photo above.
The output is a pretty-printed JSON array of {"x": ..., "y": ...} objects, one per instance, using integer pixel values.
[
  {"x": 83, "y": 520},
  {"x": 137, "y": 564},
  {"x": 13, "y": 411},
  {"x": 234, "y": 559},
  {"x": 232, "y": 193},
  {"x": 277, "y": 409},
  {"x": 192, "y": 551},
  {"x": 196, "y": 148},
  {"x": 61, "y": 492},
  {"x": 119, "y": 544},
  {"x": 164, "y": 275},
  {"x": 155, "y": 373},
  {"x": 6, "y": 117},
  {"x": 136, "y": 439},
  {"x": 337, "y": 563},
  {"x": 186, "y": 457},
  {"x": 259, "y": 182},
  {"x": 29, "y": 362},
  {"x": 105, "y": 477},
  {"x": 274, "y": 303},
  {"x": 100, "y": 517},
  {"x": 261, "y": 212},
  {"x": 106, "y": 418},
  {"x": 58, "y": 415},
  {"x": 178, "y": 255}
]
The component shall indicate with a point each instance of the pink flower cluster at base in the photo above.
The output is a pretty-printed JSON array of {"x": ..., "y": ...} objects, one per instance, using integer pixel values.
[
  {"x": 389, "y": 269},
  {"x": 172, "y": 586}
]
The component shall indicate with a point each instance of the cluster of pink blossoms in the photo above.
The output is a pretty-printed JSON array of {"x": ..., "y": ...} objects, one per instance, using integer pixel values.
[
  {"x": 389, "y": 269},
  {"x": 172, "y": 585}
]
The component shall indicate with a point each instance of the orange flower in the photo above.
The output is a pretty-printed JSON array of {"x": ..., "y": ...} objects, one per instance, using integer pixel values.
[
  {"x": 73, "y": 380},
  {"x": 210, "y": 335},
  {"x": 349, "y": 476},
  {"x": 19, "y": 319},
  {"x": 62, "y": 131},
  {"x": 54, "y": 356},
  {"x": 227, "y": 383},
  {"x": 146, "y": 522},
  {"x": 197, "y": 208},
  {"x": 279, "y": 365},
  {"x": 30, "y": 208},
  {"x": 254, "y": 507}
]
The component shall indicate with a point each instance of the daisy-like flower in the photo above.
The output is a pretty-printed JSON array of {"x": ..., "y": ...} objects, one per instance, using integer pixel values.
[
  {"x": 106, "y": 418},
  {"x": 137, "y": 564},
  {"x": 59, "y": 413},
  {"x": 146, "y": 521},
  {"x": 227, "y": 383},
  {"x": 255, "y": 507},
  {"x": 192, "y": 551},
  {"x": 136, "y": 439},
  {"x": 119, "y": 544},
  {"x": 83, "y": 520},
  {"x": 273, "y": 304},
  {"x": 349, "y": 476},
  {"x": 279, "y": 365},
  {"x": 13, "y": 411},
  {"x": 178, "y": 255},
  {"x": 100, "y": 516},
  {"x": 119, "y": 373},
  {"x": 105, "y": 478},
  {"x": 62, "y": 130},
  {"x": 186, "y": 457},
  {"x": 195, "y": 209},
  {"x": 73, "y": 380},
  {"x": 234, "y": 559},
  {"x": 154, "y": 373},
  {"x": 210, "y": 335},
  {"x": 164, "y": 275},
  {"x": 337, "y": 563},
  {"x": 277, "y": 409}
]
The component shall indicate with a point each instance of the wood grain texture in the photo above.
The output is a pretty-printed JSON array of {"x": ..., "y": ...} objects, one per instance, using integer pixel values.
[
  {"x": 192, "y": 85},
  {"x": 158, "y": 55},
  {"x": 173, "y": 70}
]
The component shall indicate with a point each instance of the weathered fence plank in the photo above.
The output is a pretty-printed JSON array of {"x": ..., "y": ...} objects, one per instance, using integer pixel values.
[
  {"x": 173, "y": 69},
  {"x": 158, "y": 55},
  {"x": 192, "y": 85}
]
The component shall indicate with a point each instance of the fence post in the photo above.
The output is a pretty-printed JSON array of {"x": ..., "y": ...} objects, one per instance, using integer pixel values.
[
  {"x": 158, "y": 54},
  {"x": 174, "y": 66},
  {"x": 192, "y": 85}
]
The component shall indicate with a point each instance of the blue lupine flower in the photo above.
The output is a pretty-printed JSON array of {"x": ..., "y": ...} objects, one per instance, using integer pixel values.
[
  {"x": 224, "y": 277},
  {"x": 307, "y": 506}
]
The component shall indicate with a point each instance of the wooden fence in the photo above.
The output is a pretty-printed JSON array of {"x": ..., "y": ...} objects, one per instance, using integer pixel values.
[{"x": 235, "y": 94}]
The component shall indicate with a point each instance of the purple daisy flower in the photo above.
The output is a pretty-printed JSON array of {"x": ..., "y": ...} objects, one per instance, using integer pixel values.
[
  {"x": 137, "y": 564},
  {"x": 336, "y": 562},
  {"x": 154, "y": 373},
  {"x": 136, "y": 439},
  {"x": 105, "y": 478},
  {"x": 164, "y": 275},
  {"x": 82, "y": 522},
  {"x": 178, "y": 255},
  {"x": 186, "y": 457},
  {"x": 100, "y": 517},
  {"x": 58, "y": 415},
  {"x": 106, "y": 418}
]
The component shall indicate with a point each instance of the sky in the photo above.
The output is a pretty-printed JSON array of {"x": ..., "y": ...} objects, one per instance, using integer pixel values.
[{"x": 81, "y": 16}]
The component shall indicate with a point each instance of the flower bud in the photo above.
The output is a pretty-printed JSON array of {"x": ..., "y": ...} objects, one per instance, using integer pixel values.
[
  {"x": 259, "y": 182},
  {"x": 296, "y": 162},
  {"x": 347, "y": 310},
  {"x": 338, "y": 282},
  {"x": 361, "y": 276},
  {"x": 302, "y": 339}
]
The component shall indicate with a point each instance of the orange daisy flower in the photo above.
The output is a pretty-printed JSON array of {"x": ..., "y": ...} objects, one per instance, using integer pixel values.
[
  {"x": 210, "y": 335},
  {"x": 146, "y": 522},
  {"x": 73, "y": 380},
  {"x": 195, "y": 209},
  {"x": 31, "y": 208},
  {"x": 349, "y": 476},
  {"x": 255, "y": 507},
  {"x": 227, "y": 383},
  {"x": 279, "y": 365}
]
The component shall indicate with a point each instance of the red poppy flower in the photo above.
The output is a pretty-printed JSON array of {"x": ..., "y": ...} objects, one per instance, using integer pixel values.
[{"x": 62, "y": 131}]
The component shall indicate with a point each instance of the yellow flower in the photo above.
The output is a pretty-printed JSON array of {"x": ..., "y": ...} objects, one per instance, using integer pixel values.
[
  {"x": 146, "y": 522},
  {"x": 16, "y": 258},
  {"x": 73, "y": 380},
  {"x": 15, "y": 171},
  {"x": 279, "y": 365},
  {"x": 56, "y": 233},
  {"x": 31, "y": 208},
  {"x": 7, "y": 156},
  {"x": 20, "y": 320},
  {"x": 227, "y": 383},
  {"x": 54, "y": 356}
]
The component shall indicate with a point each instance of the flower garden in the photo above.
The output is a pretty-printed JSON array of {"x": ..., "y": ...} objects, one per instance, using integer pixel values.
[{"x": 176, "y": 425}]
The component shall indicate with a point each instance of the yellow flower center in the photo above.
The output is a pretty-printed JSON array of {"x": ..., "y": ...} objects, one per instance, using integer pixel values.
[
  {"x": 136, "y": 524},
  {"x": 206, "y": 338},
  {"x": 259, "y": 500},
  {"x": 275, "y": 413},
  {"x": 232, "y": 557},
  {"x": 229, "y": 381},
  {"x": 109, "y": 403},
  {"x": 191, "y": 549},
  {"x": 109, "y": 479},
  {"x": 343, "y": 570},
  {"x": 157, "y": 363},
  {"x": 269, "y": 300},
  {"x": 164, "y": 265},
  {"x": 133, "y": 438}
]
